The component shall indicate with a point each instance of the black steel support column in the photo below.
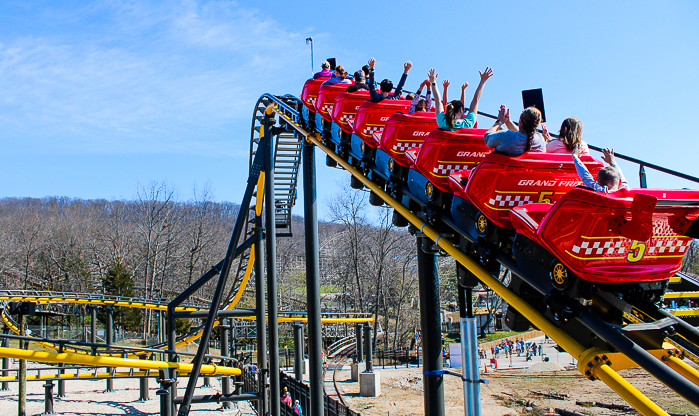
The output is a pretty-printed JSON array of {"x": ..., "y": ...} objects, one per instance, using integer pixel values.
[
  {"x": 263, "y": 408},
  {"x": 462, "y": 301},
  {"x": 143, "y": 384},
  {"x": 109, "y": 340},
  {"x": 22, "y": 374},
  {"x": 271, "y": 226},
  {"x": 48, "y": 397},
  {"x": 93, "y": 324},
  {"x": 367, "y": 349},
  {"x": 298, "y": 351},
  {"x": 225, "y": 380},
  {"x": 432, "y": 367},
  {"x": 310, "y": 214},
  {"x": 61, "y": 383},
  {"x": 5, "y": 362},
  {"x": 360, "y": 343}
]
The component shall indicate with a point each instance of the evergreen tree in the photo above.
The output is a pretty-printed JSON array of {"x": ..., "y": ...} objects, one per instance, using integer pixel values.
[{"x": 119, "y": 282}]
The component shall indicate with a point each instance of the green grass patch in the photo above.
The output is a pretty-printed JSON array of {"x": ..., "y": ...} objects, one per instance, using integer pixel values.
[{"x": 498, "y": 335}]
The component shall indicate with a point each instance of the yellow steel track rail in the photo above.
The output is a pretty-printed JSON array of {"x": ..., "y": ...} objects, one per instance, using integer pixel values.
[
  {"x": 106, "y": 361},
  {"x": 584, "y": 356}
]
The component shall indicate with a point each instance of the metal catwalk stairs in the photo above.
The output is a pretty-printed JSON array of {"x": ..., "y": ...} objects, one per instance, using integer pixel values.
[{"x": 287, "y": 158}]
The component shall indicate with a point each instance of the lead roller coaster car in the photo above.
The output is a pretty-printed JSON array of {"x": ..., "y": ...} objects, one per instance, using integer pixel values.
[{"x": 628, "y": 242}]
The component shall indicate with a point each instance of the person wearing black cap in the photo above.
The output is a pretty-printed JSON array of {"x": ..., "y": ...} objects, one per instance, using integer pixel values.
[{"x": 358, "y": 82}]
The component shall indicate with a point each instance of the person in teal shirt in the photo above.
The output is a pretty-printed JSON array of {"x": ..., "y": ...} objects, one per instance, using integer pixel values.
[{"x": 454, "y": 116}]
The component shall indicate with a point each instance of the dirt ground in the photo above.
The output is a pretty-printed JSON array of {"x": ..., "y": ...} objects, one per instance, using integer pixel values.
[{"x": 402, "y": 393}]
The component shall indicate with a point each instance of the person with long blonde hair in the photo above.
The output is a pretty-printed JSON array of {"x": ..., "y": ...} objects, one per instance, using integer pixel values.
[{"x": 569, "y": 137}]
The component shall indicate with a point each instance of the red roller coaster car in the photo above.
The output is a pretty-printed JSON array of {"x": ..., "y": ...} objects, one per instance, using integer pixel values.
[
  {"x": 309, "y": 94},
  {"x": 638, "y": 235},
  {"x": 372, "y": 117},
  {"x": 445, "y": 152},
  {"x": 500, "y": 183},
  {"x": 346, "y": 106},
  {"x": 403, "y": 132},
  {"x": 326, "y": 99}
]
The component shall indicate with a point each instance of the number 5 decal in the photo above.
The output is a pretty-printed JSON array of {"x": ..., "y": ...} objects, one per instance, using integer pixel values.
[
  {"x": 636, "y": 252},
  {"x": 544, "y": 196}
]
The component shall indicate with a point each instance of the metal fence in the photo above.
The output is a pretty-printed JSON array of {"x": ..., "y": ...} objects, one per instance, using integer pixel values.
[{"x": 298, "y": 391}]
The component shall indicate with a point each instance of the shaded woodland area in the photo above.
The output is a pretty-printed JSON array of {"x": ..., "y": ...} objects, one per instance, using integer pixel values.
[{"x": 158, "y": 244}]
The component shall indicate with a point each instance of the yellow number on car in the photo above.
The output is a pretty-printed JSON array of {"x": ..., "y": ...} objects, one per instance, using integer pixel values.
[{"x": 636, "y": 252}]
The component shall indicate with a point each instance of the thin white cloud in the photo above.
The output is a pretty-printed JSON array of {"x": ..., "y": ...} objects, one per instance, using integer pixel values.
[{"x": 145, "y": 78}]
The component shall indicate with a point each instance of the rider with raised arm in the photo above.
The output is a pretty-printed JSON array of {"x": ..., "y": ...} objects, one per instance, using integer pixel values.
[
  {"x": 419, "y": 103},
  {"x": 453, "y": 116},
  {"x": 516, "y": 140},
  {"x": 609, "y": 178},
  {"x": 386, "y": 85}
]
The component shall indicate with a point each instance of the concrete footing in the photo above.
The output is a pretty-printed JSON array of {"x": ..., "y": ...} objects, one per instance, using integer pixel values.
[
  {"x": 369, "y": 384},
  {"x": 357, "y": 368}
]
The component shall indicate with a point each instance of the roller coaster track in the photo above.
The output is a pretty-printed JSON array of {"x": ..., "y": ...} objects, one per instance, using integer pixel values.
[
  {"x": 106, "y": 300},
  {"x": 600, "y": 347}
]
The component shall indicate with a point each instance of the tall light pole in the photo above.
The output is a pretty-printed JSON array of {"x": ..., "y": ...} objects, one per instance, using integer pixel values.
[{"x": 310, "y": 40}]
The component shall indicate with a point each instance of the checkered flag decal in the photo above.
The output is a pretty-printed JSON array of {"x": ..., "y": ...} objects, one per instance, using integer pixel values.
[
  {"x": 401, "y": 147},
  {"x": 510, "y": 201},
  {"x": 448, "y": 169},
  {"x": 599, "y": 247},
  {"x": 346, "y": 117},
  {"x": 328, "y": 107},
  {"x": 369, "y": 130},
  {"x": 669, "y": 245}
]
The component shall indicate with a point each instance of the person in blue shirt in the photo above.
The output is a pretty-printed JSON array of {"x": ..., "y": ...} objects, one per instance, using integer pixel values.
[
  {"x": 453, "y": 116},
  {"x": 609, "y": 178},
  {"x": 517, "y": 139},
  {"x": 386, "y": 85},
  {"x": 340, "y": 77}
]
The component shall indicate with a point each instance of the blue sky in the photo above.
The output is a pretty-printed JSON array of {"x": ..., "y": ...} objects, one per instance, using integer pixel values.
[{"x": 97, "y": 98}]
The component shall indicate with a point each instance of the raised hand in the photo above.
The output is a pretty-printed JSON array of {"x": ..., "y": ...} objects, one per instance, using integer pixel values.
[
  {"x": 407, "y": 66},
  {"x": 501, "y": 114},
  {"x": 426, "y": 82},
  {"x": 372, "y": 61},
  {"x": 546, "y": 134},
  {"x": 446, "y": 83},
  {"x": 608, "y": 155},
  {"x": 578, "y": 151},
  {"x": 432, "y": 75},
  {"x": 485, "y": 74},
  {"x": 463, "y": 87}
]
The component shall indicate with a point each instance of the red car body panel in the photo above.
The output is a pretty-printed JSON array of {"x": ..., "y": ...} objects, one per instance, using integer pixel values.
[
  {"x": 372, "y": 117},
  {"x": 501, "y": 182},
  {"x": 326, "y": 99},
  {"x": 582, "y": 231},
  {"x": 445, "y": 152},
  {"x": 403, "y": 132},
  {"x": 346, "y": 106},
  {"x": 309, "y": 94}
]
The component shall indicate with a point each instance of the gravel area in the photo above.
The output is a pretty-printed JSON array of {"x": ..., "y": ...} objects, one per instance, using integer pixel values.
[
  {"x": 89, "y": 398},
  {"x": 541, "y": 367}
]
